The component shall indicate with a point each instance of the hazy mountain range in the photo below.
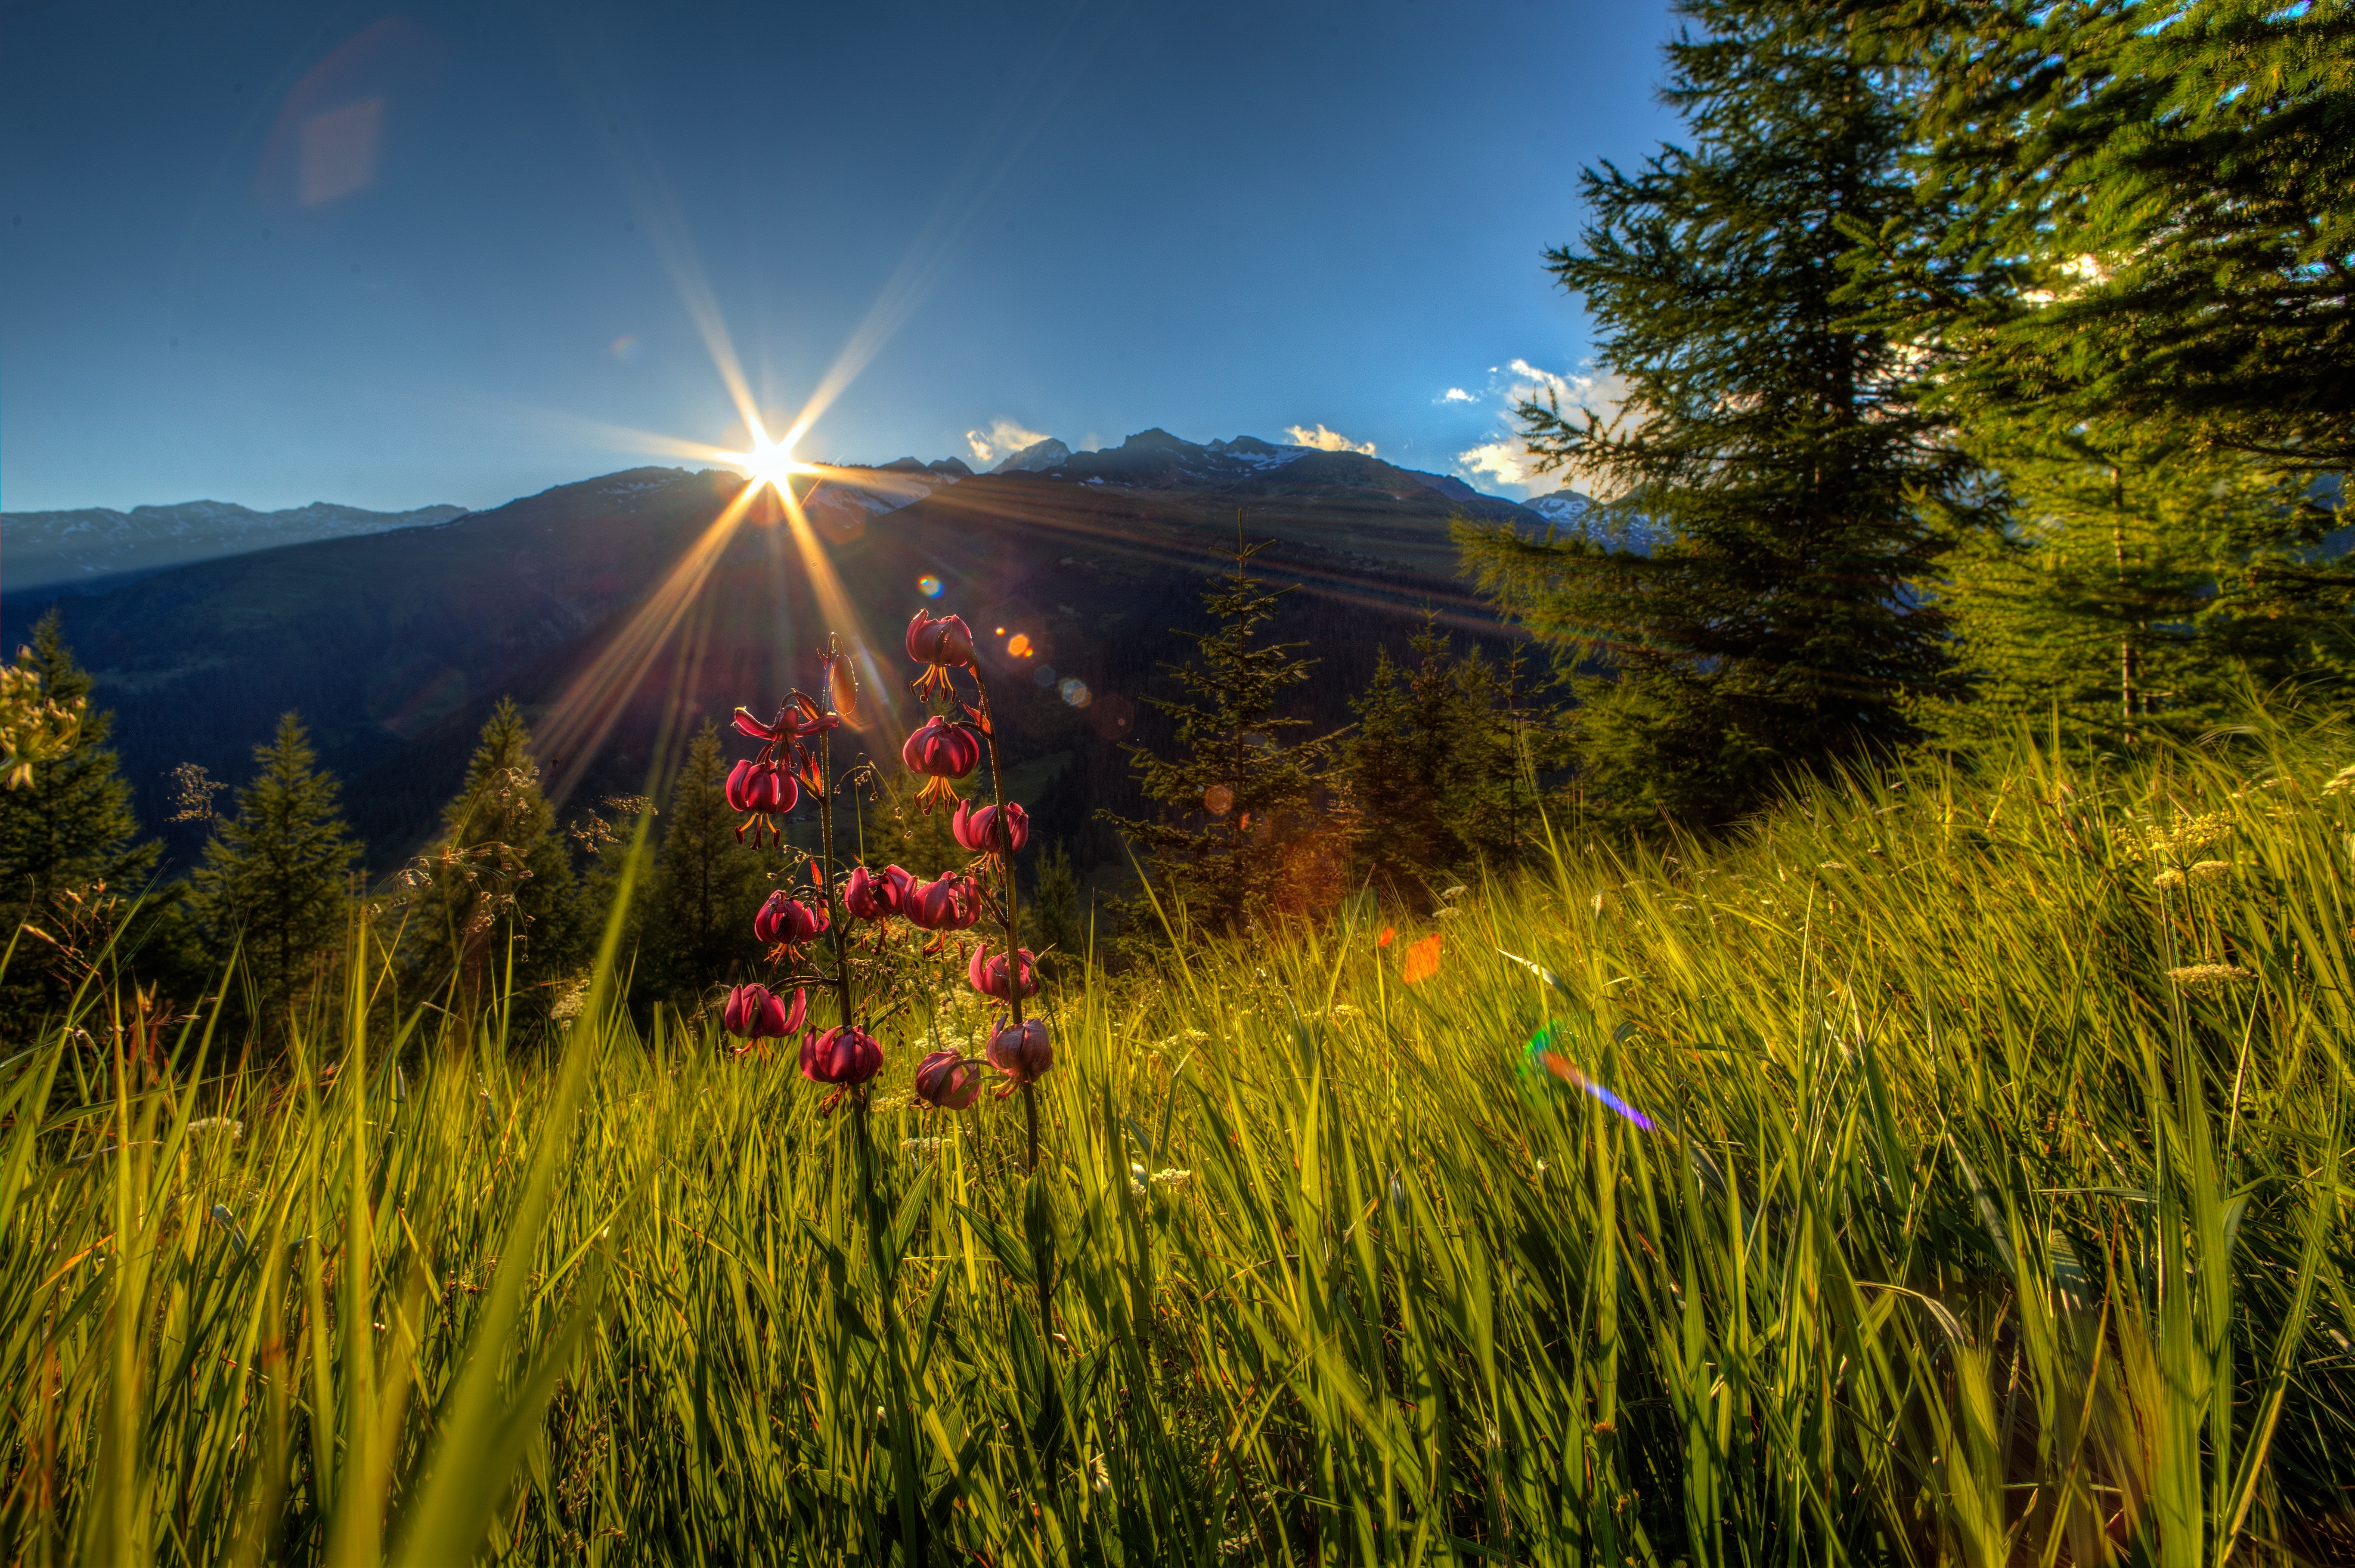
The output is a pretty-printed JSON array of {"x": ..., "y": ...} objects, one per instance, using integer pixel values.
[
  {"x": 57, "y": 549},
  {"x": 394, "y": 643}
]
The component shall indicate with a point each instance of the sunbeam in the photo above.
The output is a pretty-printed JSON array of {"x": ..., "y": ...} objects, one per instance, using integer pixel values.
[
  {"x": 581, "y": 720},
  {"x": 592, "y": 703}
]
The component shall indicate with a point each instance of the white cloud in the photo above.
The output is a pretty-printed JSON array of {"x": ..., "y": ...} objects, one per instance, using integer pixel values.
[
  {"x": 1456, "y": 395},
  {"x": 1544, "y": 380},
  {"x": 1504, "y": 460},
  {"x": 1326, "y": 440},
  {"x": 1002, "y": 439},
  {"x": 1501, "y": 461}
]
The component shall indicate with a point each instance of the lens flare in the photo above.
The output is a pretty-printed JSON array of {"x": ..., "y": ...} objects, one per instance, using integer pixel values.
[
  {"x": 1543, "y": 1057},
  {"x": 1044, "y": 676},
  {"x": 1018, "y": 646},
  {"x": 929, "y": 585},
  {"x": 1113, "y": 716},
  {"x": 1075, "y": 692}
]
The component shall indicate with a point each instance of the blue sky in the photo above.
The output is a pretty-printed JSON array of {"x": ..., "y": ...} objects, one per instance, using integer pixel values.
[{"x": 269, "y": 252}]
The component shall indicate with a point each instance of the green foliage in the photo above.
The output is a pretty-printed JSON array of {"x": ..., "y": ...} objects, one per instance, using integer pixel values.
[
  {"x": 1439, "y": 771},
  {"x": 499, "y": 890},
  {"x": 2121, "y": 286},
  {"x": 1995, "y": 1209},
  {"x": 1237, "y": 838},
  {"x": 696, "y": 922},
  {"x": 1769, "y": 447},
  {"x": 1059, "y": 919},
  {"x": 2150, "y": 215},
  {"x": 71, "y": 860},
  {"x": 2136, "y": 588},
  {"x": 35, "y": 728},
  {"x": 274, "y": 877},
  {"x": 75, "y": 829}
]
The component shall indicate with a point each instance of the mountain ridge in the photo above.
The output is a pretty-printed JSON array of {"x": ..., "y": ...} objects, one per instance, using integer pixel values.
[
  {"x": 49, "y": 550},
  {"x": 393, "y": 645}
]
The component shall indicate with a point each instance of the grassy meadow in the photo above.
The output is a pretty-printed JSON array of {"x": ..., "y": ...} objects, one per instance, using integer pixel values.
[{"x": 1979, "y": 1197}]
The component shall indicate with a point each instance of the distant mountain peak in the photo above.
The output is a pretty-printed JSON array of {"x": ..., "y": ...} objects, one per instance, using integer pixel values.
[
  {"x": 1561, "y": 506},
  {"x": 1036, "y": 457},
  {"x": 1157, "y": 440}
]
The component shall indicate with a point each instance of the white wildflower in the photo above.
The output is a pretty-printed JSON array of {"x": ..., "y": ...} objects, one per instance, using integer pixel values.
[{"x": 2209, "y": 976}]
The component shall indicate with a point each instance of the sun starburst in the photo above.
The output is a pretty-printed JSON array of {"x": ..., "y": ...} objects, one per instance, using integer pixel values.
[{"x": 769, "y": 463}]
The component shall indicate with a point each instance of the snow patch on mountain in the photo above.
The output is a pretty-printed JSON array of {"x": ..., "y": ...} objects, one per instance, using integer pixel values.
[{"x": 1039, "y": 457}]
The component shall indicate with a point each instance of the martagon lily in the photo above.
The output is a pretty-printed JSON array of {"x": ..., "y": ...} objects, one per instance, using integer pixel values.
[{"x": 769, "y": 784}]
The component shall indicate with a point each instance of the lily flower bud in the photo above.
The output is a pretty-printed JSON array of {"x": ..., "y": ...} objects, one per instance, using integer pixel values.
[
  {"x": 762, "y": 788},
  {"x": 754, "y": 1013},
  {"x": 876, "y": 894},
  {"x": 788, "y": 921},
  {"x": 987, "y": 831},
  {"x": 949, "y": 903},
  {"x": 947, "y": 1080},
  {"x": 1022, "y": 1051},
  {"x": 989, "y": 975},
  {"x": 947, "y": 641},
  {"x": 942, "y": 749},
  {"x": 844, "y": 1055},
  {"x": 842, "y": 688}
]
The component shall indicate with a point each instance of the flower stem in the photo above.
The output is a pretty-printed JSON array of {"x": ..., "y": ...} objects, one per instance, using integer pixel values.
[
  {"x": 1006, "y": 904},
  {"x": 825, "y": 846}
]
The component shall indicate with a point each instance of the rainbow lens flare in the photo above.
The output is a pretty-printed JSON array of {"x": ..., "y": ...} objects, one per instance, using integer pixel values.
[
  {"x": 929, "y": 585},
  {"x": 1543, "y": 1057}
]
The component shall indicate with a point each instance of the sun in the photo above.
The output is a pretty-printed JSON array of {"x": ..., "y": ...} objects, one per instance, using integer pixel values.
[{"x": 769, "y": 462}]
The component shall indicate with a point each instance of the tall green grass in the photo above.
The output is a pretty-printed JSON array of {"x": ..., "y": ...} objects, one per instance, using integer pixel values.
[{"x": 1961, "y": 1233}]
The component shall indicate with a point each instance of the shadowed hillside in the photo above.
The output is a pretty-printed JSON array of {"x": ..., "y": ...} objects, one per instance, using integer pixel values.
[{"x": 394, "y": 646}]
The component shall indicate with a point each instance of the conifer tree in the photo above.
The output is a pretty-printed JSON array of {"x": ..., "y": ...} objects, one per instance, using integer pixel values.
[
  {"x": 2146, "y": 215},
  {"x": 1232, "y": 844},
  {"x": 501, "y": 885},
  {"x": 696, "y": 919},
  {"x": 272, "y": 884},
  {"x": 1434, "y": 771},
  {"x": 74, "y": 828},
  {"x": 1769, "y": 443},
  {"x": 2134, "y": 588},
  {"x": 1055, "y": 913},
  {"x": 2128, "y": 293}
]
